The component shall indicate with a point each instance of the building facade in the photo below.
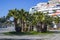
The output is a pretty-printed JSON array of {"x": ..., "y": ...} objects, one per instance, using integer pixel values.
[{"x": 49, "y": 6}]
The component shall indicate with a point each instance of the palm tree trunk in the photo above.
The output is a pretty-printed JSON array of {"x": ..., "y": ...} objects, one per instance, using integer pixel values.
[
  {"x": 25, "y": 26},
  {"x": 44, "y": 28},
  {"x": 39, "y": 27},
  {"x": 22, "y": 25},
  {"x": 17, "y": 28},
  {"x": 28, "y": 29},
  {"x": 15, "y": 22}
]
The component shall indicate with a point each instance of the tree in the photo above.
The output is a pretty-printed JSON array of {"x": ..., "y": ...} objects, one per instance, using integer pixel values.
[
  {"x": 38, "y": 20},
  {"x": 23, "y": 18},
  {"x": 13, "y": 13},
  {"x": 56, "y": 19},
  {"x": 20, "y": 18},
  {"x": 42, "y": 20},
  {"x": 3, "y": 19}
]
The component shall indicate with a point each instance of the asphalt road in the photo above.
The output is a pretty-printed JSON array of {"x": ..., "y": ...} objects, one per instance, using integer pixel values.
[
  {"x": 54, "y": 36},
  {"x": 32, "y": 37}
]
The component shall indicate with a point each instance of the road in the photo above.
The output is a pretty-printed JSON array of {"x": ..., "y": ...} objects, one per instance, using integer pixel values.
[
  {"x": 32, "y": 37},
  {"x": 54, "y": 36}
]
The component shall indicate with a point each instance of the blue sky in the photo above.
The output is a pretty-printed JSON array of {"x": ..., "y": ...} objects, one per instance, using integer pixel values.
[{"x": 6, "y": 5}]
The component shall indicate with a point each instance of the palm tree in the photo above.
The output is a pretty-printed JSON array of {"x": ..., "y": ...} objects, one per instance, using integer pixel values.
[
  {"x": 38, "y": 20},
  {"x": 22, "y": 18},
  {"x": 32, "y": 21},
  {"x": 42, "y": 20},
  {"x": 13, "y": 13},
  {"x": 56, "y": 19}
]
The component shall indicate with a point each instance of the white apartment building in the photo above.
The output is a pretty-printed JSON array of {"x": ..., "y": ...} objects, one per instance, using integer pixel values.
[{"x": 49, "y": 6}]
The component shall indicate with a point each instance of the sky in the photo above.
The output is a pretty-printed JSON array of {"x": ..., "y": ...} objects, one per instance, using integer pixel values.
[{"x": 6, "y": 5}]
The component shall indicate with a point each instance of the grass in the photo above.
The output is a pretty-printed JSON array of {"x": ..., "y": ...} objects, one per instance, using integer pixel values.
[{"x": 27, "y": 33}]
